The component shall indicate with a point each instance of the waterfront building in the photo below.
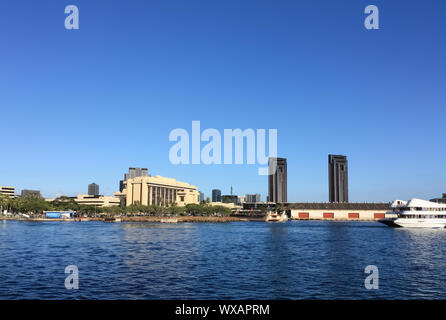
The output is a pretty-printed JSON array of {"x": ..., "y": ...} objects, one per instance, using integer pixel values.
[
  {"x": 97, "y": 201},
  {"x": 330, "y": 210},
  {"x": 200, "y": 196},
  {"x": 252, "y": 198},
  {"x": 440, "y": 200},
  {"x": 338, "y": 211},
  {"x": 338, "y": 178},
  {"x": 93, "y": 189},
  {"x": 216, "y": 195},
  {"x": 30, "y": 193},
  {"x": 133, "y": 173},
  {"x": 7, "y": 191},
  {"x": 277, "y": 180},
  {"x": 157, "y": 190}
]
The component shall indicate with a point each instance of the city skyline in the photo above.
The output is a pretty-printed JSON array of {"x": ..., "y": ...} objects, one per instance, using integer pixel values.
[{"x": 308, "y": 69}]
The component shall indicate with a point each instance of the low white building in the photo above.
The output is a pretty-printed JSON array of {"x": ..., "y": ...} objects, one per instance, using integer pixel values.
[{"x": 338, "y": 211}]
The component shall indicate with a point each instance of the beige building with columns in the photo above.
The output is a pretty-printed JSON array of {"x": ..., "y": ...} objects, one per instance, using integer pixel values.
[{"x": 157, "y": 190}]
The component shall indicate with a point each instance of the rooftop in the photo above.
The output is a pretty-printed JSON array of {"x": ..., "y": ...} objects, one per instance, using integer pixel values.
[{"x": 339, "y": 205}]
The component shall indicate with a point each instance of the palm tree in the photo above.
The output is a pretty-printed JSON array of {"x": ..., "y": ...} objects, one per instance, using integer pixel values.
[{"x": 4, "y": 202}]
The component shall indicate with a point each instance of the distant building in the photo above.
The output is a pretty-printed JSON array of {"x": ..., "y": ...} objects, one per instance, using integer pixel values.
[
  {"x": 97, "y": 201},
  {"x": 240, "y": 200},
  {"x": 277, "y": 180},
  {"x": 200, "y": 196},
  {"x": 137, "y": 172},
  {"x": 252, "y": 198},
  {"x": 7, "y": 191},
  {"x": 93, "y": 189},
  {"x": 440, "y": 200},
  {"x": 121, "y": 185},
  {"x": 216, "y": 195},
  {"x": 133, "y": 173},
  {"x": 337, "y": 178},
  {"x": 229, "y": 199},
  {"x": 30, "y": 193}
]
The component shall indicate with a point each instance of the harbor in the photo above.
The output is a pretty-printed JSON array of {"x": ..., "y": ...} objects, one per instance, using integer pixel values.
[{"x": 237, "y": 260}]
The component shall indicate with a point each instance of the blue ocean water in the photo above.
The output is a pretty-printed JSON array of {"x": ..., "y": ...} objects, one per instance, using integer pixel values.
[{"x": 238, "y": 260}]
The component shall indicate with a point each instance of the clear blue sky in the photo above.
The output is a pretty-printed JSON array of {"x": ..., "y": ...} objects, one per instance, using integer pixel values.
[{"x": 82, "y": 106}]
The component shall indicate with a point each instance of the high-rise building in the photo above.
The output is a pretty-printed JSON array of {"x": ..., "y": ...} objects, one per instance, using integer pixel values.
[
  {"x": 338, "y": 178},
  {"x": 277, "y": 180},
  {"x": 200, "y": 196},
  {"x": 252, "y": 197},
  {"x": 133, "y": 173},
  {"x": 216, "y": 195},
  {"x": 137, "y": 172},
  {"x": 93, "y": 189}
]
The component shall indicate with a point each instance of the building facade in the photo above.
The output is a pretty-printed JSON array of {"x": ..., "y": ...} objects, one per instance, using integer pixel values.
[
  {"x": 277, "y": 180},
  {"x": 30, "y": 193},
  {"x": 160, "y": 191},
  {"x": 216, "y": 195},
  {"x": 97, "y": 201},
  {"x": 133, "y": 173},
  {"x": 252, "y": 198},
  {"x": 200, "y": 197},
  {"x": 337, "y": 178},
  {"x": 338, "y": 211},
  {"x": 7, "y": 191},
  {"x": 229, "y": 198},
  {"x": 93, "y": 189}
]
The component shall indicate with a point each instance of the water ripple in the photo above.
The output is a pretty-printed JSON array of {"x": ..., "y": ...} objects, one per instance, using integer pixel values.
[{"x": 295, "y": 260}]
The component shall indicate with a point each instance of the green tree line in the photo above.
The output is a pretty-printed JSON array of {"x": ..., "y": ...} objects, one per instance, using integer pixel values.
[{"x": 37, "y": 205}]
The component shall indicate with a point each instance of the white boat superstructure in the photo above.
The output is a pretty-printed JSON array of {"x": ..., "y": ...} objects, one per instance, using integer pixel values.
[{"x": 417, "y": 213}]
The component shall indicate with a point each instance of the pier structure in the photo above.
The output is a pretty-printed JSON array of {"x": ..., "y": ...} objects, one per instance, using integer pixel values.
[
  {"x": 339, "y": 211},
  {"x": 328, "y": 211}
]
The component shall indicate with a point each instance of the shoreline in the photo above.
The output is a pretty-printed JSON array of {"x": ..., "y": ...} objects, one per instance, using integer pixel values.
[{"x": 178, "y": 219}]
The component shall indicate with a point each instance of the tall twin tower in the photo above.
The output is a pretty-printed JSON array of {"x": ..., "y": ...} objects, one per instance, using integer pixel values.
[{"x": 337, "y": 179}]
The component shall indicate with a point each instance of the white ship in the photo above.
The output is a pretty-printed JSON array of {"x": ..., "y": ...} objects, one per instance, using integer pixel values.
[{"x": 417, "y": 213}]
